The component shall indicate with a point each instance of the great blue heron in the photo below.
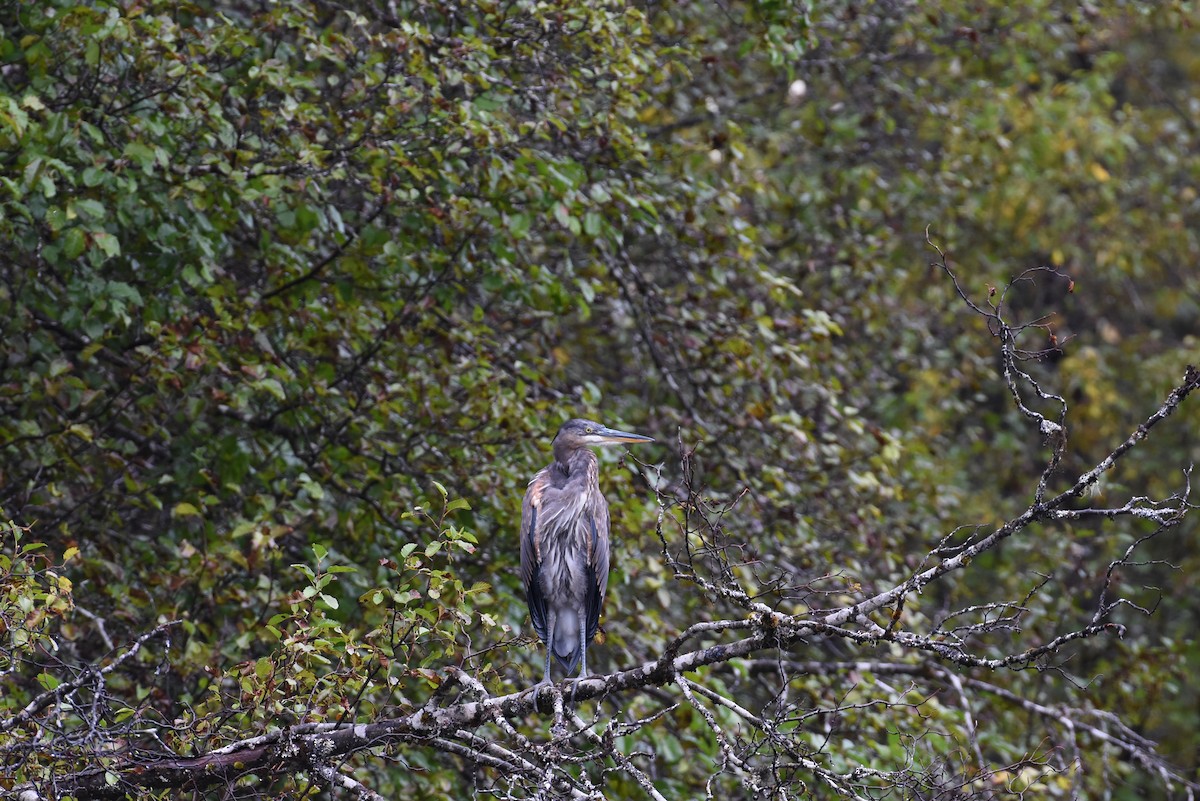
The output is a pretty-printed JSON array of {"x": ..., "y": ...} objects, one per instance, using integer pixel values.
[{"x": 564, "y": 543}]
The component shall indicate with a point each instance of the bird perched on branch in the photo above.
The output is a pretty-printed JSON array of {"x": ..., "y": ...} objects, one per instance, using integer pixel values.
[{"x": 564, "y": 543}]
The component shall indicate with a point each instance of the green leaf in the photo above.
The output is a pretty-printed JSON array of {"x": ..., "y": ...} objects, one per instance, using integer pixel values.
[
  {"x": 272, "y": 386},
  {"x": 91, "y": 209},
  {"x": 140, "y": 154},
  {"x": 74, "y": 243},
  {"x": 592, "y": 223},
  {"x": 518, "y": 224},
  {"x": 107, "y": 243}
]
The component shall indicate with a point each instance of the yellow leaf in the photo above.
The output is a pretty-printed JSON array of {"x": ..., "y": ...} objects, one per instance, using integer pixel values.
[
  {"x": 81, "y": 431},
  {"x": 184, "y": 509},
  {"x": 1098, "y": 172}
]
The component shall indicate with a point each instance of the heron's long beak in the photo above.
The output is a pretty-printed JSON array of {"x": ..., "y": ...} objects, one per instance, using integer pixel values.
[{"x": 612, "y": 435}]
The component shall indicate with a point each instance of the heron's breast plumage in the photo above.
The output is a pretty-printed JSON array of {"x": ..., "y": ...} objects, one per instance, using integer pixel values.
[{"x": 567, "y": 503}]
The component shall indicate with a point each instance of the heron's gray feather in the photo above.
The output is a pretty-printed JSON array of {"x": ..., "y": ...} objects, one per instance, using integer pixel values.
[{"x": 565, "y": 549}]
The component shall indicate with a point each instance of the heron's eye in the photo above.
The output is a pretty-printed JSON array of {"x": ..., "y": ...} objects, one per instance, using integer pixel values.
[{"x": 591, "y": 430}]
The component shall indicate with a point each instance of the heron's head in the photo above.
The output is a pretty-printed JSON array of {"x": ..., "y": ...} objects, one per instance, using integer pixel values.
[{"x": 582, "y": 433}]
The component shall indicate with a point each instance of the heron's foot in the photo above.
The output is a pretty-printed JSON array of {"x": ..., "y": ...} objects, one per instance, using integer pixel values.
[
  {"x": 582, "y": 677},
  {"x": 541, "y": 687},
  {"x": 559, "y": 727}
]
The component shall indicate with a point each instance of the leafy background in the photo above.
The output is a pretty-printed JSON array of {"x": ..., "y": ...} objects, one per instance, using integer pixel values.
[{"x": 312, "y": 284}]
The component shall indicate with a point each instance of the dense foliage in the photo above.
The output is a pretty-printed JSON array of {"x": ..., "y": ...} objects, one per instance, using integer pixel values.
[{"x": 296, "y": 293}]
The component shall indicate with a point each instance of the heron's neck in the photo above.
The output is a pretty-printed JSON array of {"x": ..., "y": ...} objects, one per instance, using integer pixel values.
[{"x": 573, "y": 460}]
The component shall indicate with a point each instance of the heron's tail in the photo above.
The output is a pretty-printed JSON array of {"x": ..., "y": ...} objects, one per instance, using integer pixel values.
[
  {"x": 570, "y": 662},
  {"x": 566, "y": 640}
]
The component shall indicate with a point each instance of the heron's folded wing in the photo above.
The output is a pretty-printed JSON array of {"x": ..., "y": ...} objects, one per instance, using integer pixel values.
[
  {"x": 530, "y": 563},
  {"x": 597, "y": 569}
]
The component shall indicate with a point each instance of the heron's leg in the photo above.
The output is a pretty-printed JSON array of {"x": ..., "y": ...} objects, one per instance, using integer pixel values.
[
  {"x": 582, "y": 648},
  {"x": 582, "y": 658},
  {"x": 549, "y": 646},
  {"x": 545, "y": 683}
]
